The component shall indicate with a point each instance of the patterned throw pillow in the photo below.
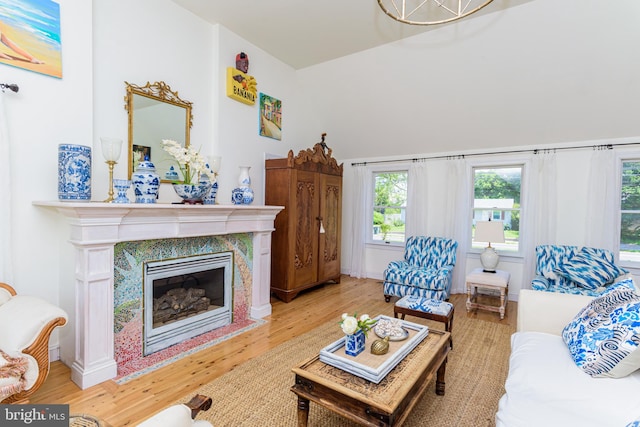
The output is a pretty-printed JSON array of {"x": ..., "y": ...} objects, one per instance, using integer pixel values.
[
  {"x": 627, "y": 283},
  {"x": 589, "y": 269},
  {"x": 604, "y": 337}
]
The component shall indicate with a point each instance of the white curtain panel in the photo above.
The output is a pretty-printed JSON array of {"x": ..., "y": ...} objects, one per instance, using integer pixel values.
[
  {"x": 6, "y": 264},
  {"x": 458, "y": 217},
  {"x": 358, "y": 232},
  {"x": 416, "y": 224},
  {"x": 601, "y": 226},
  {"x": 539, "y": 227}
]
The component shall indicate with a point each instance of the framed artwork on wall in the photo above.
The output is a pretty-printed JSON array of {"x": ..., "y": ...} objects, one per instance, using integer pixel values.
[
  {"x": 30, "y": 36},
  {"x": 270, "y": 117}
]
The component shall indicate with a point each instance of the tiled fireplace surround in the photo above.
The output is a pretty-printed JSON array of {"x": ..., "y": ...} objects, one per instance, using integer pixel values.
[{"x": 95, "y": 228}]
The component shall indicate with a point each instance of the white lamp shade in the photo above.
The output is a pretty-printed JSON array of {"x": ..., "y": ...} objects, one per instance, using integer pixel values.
[
  {"x": 111, "y": 148},
  {"x": 489, "y": 231}
]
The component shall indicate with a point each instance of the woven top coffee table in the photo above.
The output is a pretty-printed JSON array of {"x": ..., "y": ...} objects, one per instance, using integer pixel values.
[{"x": 385, "y": 404}]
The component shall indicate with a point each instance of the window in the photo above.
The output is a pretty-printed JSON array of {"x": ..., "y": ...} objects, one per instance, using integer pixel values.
[
  {"x": 630, "y": 211},
  {"x": 496, "y": 197},
  {"x": 389, "y": 206}
]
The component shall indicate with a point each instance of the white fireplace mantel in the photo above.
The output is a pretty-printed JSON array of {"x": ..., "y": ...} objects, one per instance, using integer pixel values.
[{"x": 96, "y": 227}]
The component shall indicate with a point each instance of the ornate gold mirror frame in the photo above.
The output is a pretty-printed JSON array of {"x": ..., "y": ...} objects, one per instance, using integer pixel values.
[{"x": 155, "y": 113}]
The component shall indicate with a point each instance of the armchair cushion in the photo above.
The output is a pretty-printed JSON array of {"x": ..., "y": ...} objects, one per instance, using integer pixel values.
[
  {"x": 589, "y": 268},
  {"x": 32, "y": 314},
  {"x": 604, "y": 337},
  {"x": 419, "y": 277}
]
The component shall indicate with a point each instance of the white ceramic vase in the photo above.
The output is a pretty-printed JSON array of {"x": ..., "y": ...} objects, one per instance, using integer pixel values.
[{"x": 243, "y": 194}]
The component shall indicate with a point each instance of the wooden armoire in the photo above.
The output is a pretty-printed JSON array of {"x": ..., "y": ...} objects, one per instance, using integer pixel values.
[{"x": 305, "y": 247}]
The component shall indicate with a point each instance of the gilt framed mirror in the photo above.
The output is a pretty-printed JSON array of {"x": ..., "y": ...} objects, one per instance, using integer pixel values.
[{"x": 155, "y": 113}]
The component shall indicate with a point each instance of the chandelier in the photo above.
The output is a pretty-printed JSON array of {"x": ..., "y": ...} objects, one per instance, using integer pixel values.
[{"x": 430, "y": 12}]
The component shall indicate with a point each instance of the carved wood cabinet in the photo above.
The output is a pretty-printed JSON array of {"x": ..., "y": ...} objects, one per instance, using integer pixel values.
[{"x": 305, "y": 249}]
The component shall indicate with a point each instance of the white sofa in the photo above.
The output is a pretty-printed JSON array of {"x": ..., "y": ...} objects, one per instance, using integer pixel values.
[{"x": 545, "y": 387}]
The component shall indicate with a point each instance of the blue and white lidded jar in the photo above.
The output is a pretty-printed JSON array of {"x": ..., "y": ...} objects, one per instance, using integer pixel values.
[
  {"x": 74, "y": 172},
  {"x": 146, "y": 182}
]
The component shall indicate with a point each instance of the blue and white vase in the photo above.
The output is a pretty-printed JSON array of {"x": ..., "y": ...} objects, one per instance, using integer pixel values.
[
  {"x": 243, "y": 194},
  {"x": 210, "y": 197},
  {"x": 354, "y": 343},
  {"x": 74, "y": 172},
  {"x": 146, "y": 182},
  {"x": 121, "y": 186}
]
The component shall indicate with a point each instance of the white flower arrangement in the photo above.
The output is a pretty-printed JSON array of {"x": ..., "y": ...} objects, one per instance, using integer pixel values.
[
  {"x": 352, "y": 324},
  {"x": 190, "y": 161}
]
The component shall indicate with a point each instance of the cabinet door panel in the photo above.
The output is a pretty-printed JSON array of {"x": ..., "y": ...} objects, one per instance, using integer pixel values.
[
  {"x": 306, "y": 236},
  {"x": 331, "y": 214}
]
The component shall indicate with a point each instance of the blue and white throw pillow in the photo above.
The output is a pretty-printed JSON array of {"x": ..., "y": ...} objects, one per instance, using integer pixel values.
[
  {"x": 589, "y": 269},
  {"x": 627, "y": 283},
  {"x": 604, "y": 337}
]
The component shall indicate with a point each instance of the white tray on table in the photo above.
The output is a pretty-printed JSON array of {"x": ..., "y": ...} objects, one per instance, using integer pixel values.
[{"x": 368, "y": 366}]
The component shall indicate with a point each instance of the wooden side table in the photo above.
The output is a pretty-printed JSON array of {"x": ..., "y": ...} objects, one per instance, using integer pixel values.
[{"x": 498, "y": 281}]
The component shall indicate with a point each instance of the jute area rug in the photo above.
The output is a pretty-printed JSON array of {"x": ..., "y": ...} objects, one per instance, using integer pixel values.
[{"x": 257, "y": 393}]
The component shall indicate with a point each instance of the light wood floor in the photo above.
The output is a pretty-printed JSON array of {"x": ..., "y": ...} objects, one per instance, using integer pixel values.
[{"x": 130, "y": 403}]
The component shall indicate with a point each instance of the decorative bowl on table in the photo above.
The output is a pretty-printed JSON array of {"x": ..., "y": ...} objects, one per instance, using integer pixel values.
[{"x": 391, "y": 328}]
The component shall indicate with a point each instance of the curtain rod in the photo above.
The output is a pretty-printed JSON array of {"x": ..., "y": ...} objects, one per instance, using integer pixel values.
[{"x": 462, "y": 156}]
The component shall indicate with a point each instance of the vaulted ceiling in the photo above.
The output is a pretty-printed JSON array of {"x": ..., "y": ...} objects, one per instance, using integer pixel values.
[{"x": 302, "y": 33}]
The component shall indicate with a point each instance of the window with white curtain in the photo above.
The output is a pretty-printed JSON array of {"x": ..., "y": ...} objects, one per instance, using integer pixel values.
[
  {"x": 389, "y": 207},
  {"x": 630, "y": 212},
  {"x": 496, "y": 197}
]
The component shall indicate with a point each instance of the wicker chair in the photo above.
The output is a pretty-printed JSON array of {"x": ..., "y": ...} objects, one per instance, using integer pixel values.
[{"x": 26, "y": 324}]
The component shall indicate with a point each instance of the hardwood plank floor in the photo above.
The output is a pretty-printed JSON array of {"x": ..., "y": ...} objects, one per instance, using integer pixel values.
[{"x": 138, "y": 399}]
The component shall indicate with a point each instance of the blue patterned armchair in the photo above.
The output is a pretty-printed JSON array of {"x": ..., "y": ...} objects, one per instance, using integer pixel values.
[
  {"x": 574, "y": 270},
  {"x": 425, "y": 271}
]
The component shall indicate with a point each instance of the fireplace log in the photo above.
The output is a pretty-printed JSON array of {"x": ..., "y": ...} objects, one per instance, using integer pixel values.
[{"x": 179, "y": 302}]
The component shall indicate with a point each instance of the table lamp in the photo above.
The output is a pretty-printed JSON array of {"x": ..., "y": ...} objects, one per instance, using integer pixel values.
[
  {"x": 489, "y": 231},
  {"x": 111, "y": 148}
]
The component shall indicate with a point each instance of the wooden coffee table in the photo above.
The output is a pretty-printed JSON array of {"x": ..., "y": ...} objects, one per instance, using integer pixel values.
[{"x": 385, "y": 404}]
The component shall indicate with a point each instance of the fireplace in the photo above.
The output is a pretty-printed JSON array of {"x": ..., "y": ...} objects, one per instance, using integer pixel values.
[
  {"x": 185, "y": 297},
  {"x": 88, "y": 344}
]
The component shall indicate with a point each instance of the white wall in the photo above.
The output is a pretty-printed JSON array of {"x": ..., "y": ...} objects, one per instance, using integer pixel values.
[
  {"x": 236, "y": 129},
  {"x": 46, "y": 112}
]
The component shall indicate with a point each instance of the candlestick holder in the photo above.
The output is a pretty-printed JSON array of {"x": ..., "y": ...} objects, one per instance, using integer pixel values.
[{"x": 111, "y": 148}]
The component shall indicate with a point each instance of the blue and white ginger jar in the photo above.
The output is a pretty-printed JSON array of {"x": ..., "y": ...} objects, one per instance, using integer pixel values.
[
  {"x": 74, "y": 172},
  {"x": 146, "y": 182}
]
